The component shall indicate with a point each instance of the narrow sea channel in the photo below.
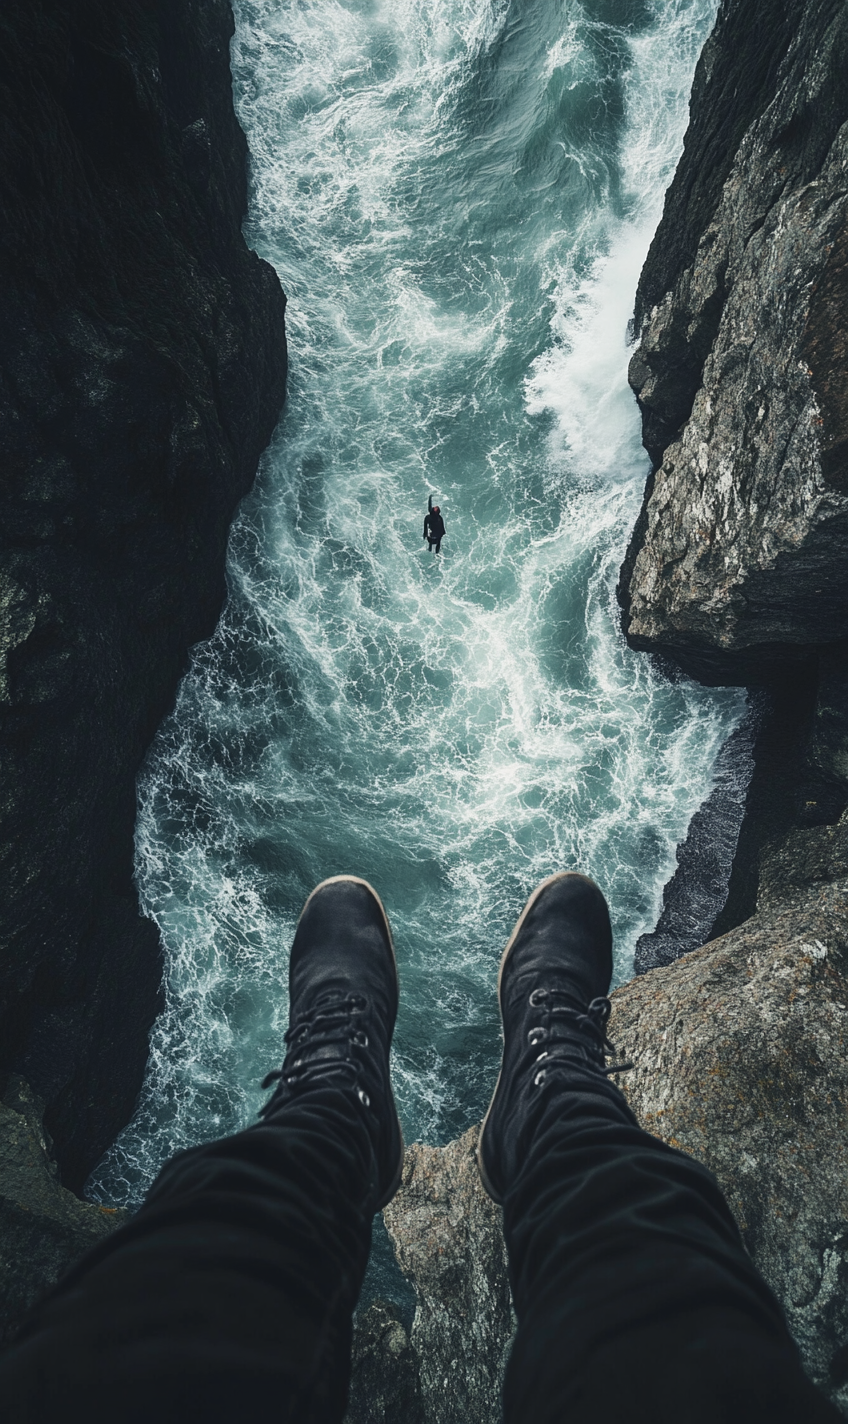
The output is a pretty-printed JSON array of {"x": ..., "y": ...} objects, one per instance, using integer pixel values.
[{"x": 458, "y": 196}]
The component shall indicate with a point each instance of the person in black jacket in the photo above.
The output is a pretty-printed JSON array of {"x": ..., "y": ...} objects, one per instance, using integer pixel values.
[{"x": 434, "y": 528}]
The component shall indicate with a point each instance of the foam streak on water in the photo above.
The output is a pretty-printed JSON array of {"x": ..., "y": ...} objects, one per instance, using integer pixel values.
[{"x": 458, "y": 196}]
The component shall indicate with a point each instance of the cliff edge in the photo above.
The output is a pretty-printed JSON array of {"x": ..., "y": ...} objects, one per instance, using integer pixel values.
[
  {"x": 738, "y": 1055},
  {"x": 737, "y": 568},
  {"x": 736, "y": 571},
  {"x": 142, "y": 370}
]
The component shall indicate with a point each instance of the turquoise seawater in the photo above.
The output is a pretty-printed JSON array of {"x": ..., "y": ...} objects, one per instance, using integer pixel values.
[{"x": 458, "y": 196}]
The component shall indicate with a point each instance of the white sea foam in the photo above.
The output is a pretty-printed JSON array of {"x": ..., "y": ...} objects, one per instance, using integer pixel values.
[{"x": 458, "y": 199}]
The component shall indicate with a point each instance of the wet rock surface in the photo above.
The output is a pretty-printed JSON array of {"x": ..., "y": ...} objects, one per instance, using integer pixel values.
[
  {"x": 142, "y": 369},
  {"x": 737, "y": 565},
  {"x": 44, "y": 1228},
  {"x": 697, "y": 892}
]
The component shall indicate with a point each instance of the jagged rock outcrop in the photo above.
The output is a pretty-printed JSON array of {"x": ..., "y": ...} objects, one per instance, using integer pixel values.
[
  {"x": 44, "y": 1228},
  {"x": 448, "y": 1239},
  {"x": 737, "y": 566},
  {"x": 740, "y": 1054},
  {"x": 740, "y": 1058},
  {"x": 142, "y": 369}
]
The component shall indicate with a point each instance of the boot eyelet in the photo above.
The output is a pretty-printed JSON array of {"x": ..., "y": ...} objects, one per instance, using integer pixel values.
[
  {"x": 363, "y": 1097},
  {"x": 539, "y": 1078},
  {"x": 536, "y": 1035},
  {"x": 360, "y": 1038},
  {"x": 538, "y": 996},
  {"x": 541, "y": 1056}
]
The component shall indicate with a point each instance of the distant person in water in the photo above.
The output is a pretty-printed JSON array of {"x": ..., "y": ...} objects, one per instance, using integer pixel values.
[{"x": 434, "y": 528}]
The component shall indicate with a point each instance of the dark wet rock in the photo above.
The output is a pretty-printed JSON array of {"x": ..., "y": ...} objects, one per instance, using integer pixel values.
[
  {"x": 448, "y": 1239},
  {"x": 697, "y": 892},
  {"x": 384, "y": 1385},
  {"x": 741, "y": 1058},
  {"x": 142, "y": 369},
  {"x": 44, "y": 1228},
  {"x": 737, "y": 567}
]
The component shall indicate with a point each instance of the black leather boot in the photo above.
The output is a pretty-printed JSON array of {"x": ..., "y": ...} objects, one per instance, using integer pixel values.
[
  {"x": 552, "y": 986},
  {"x": 343, "y": 1000}
]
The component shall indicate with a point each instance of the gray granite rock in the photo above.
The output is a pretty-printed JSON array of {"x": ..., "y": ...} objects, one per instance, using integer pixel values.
[
  {"x": 740, "y": 1055},
  {"x": 737, "y": 564},
  {"x": 448, "y": 1239},
  {"x": 44, "y": 1228}
]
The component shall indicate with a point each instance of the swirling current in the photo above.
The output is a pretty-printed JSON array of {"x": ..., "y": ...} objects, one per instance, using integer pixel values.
[{"x": 457, "y": 196}]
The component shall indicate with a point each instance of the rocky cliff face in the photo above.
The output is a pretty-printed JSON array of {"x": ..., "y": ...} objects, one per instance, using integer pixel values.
[
  {"x": 448, "y": 1239},
  {"x": 463, "y": 1320},
  {"x": 739, "y": 1057},
  {"x": 737, "y": 568},
  {"x": 142, "y": 369}
]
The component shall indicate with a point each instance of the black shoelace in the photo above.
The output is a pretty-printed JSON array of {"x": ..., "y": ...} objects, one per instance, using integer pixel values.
[
  {"x": 590, "y": 1023},
  {"x": 325, "y": 1042}
]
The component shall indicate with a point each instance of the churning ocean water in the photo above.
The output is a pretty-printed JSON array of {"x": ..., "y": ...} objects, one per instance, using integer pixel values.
[{"x": 458, "y": 196}]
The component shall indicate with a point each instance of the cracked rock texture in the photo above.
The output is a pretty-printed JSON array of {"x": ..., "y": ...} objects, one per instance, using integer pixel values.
[
  {"x": 740, "y": 1054},
  {"x": 142, "y": 370},
  {"x": 741, "y": 1058},
  {"x": 737, "y": 566},
  {"x": 448, "y": 1240},
  {"x": 44, "y": 1228}
]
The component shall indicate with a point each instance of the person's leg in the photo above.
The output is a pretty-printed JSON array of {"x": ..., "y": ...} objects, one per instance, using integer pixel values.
[
  {"x": 635, "y": 1297},
  {"x": 438, "y": 547},
  {"x": 230, "y": 1294}
]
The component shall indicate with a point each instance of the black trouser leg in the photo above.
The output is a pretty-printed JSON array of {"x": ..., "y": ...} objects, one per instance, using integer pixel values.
[
  {"x": 229, "y": 1296},
  {"x": 635, "y": 1298}
]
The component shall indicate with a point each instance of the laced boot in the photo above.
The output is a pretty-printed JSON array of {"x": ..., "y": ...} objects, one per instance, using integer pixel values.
[
  {"x": 343, "y": 1000},
  {"x": 552, "y": 988}
]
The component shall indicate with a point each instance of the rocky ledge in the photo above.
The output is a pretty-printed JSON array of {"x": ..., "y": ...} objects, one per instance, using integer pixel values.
[
  {"x": 740, "y": 1055},
  {"x": 142, "y": 370}
]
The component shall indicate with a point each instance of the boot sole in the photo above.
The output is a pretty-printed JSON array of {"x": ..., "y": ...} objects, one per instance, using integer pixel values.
[
  {"x": 358, "y": 880},
  {"x": 519, "y": 925}
]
